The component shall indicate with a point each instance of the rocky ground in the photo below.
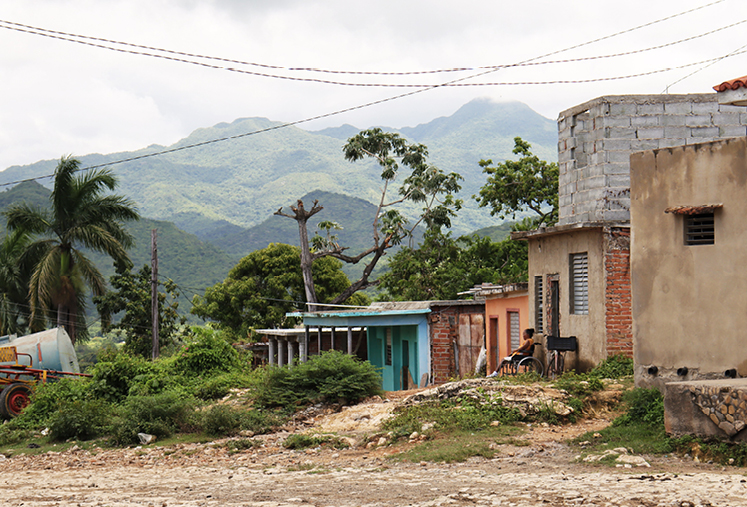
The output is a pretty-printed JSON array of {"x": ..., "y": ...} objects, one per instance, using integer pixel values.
[{"x": 537, "y": 468}]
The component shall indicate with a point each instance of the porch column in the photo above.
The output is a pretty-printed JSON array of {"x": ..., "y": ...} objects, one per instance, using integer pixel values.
[
  {"x": 332, "y": 338},
  {"x": 350, "y": 340},
  {"x": 303, "y": 348},
  {"x": 304, "y": 351},
  {"x": 319, "y": 338},
  {"x": 290, "y": 351},
  {"x": 281, "y": 352},
  {"x": 271, "y": 351}
]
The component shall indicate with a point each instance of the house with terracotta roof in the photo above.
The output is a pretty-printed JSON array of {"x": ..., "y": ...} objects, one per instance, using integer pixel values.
[{"x": 579, "y": 269}]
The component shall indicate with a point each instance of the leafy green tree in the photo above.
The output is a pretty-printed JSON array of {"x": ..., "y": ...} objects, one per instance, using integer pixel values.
[
  {"x": 132, "y": 295},
  {"x": 424, "y": 185},
  {"x": 443, "y": 266},
  {"x": 82, "y": 214},
  {"x": 514, "y": 186},
  {"x": 264, "y": 286},
  {"x": 15, "y": 272}
]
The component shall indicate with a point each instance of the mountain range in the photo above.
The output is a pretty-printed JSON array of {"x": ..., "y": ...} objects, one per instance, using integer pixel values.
[{"x": 219, "y": 189}]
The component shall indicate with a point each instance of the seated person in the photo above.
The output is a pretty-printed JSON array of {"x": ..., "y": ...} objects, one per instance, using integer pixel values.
[{"x": 525, "y": 350}]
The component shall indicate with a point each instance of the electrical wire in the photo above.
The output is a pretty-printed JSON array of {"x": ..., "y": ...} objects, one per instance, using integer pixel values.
[
  {"x": 66, "y": 36},
  {"x": 365, "y": 105}
]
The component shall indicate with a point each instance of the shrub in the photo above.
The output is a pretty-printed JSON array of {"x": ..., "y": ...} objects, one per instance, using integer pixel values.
[
  {"x": 578, "y": 385},
  {"x": 644, "y": 407},
  {"x": 114, "y": 374},
  {"x": 329, "y": 377},
  {"x": 49, "y": 396},
  {"x": 79, "y": 419},
  {"x": 261, "y": 421},
  {"x": 207, "y": 353},
  {"x": 301, "y": 441},
  {"x": 221, "y": 420},
  {"x": 613, "y": 367},
  {"x": 160, "y": 415}
]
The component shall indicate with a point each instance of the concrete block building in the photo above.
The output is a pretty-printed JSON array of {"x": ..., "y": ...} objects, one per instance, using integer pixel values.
[{"x": 579, "y": 270}]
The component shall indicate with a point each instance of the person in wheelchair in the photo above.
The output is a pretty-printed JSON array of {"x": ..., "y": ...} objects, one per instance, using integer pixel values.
[{"x": 526, "y": 349}]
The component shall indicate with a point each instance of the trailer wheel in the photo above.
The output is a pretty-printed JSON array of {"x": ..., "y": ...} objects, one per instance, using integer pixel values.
[{"x": 14, "y": 399}]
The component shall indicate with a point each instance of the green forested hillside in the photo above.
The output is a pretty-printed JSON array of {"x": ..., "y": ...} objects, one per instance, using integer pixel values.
[
  {"x": 192, "y": 263},
  {"x": 212, "y": 189}
]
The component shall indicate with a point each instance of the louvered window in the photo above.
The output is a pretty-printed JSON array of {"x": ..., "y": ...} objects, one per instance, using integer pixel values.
[
  {"x": 699, "y": 229},
  {"x": 388, "y": 347},
  {"x": 539, "y": 311},
  {"x": 515, "y": 329},
  {"x": 579, "y": 283}
]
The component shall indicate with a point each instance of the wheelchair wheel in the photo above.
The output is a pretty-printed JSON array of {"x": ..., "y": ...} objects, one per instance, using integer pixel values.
[
  {"x": 530, "y": 364},
  {"x": 508, "y": 368},
  {"x": 555, "y": 364}
]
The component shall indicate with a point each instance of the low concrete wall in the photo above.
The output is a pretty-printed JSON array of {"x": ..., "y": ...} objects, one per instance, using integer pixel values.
[{"x": 707, "y": 408}]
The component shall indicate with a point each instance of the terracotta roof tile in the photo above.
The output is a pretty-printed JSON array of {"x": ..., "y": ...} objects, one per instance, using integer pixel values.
[
  {"x": 740, "y": 82},
  {"x": 693, "y": 210}
]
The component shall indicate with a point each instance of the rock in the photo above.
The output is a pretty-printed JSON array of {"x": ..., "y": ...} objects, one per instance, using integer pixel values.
[
  {"x": 382, "y": 441},
  {"x": 495, "y": 423},
  {"x": 146, "y": 439},
  {"x": 414, "y": 435},
  {"x": 427, "y": 426},
  {"x": 632, "y": 460}
]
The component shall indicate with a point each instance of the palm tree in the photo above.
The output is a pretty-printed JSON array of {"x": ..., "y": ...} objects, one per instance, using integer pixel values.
[
  {"x": 81, "y": 215},
  {"x": 15, "y": 272}
]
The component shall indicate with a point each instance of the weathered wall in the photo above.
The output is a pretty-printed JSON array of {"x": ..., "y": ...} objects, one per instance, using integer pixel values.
[
  {"x": 550, "y": 255},
  {"x": 445, "y": 327},
  {"x": 689, "y": 302},
  {"x": 497, "y": 307},
  {"x": 596, "y": 138},
  {"x": 618, "y": 313}
]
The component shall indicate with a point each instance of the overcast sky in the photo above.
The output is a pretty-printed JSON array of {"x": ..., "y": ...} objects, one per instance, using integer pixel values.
[{"x": 59, "y": 97}]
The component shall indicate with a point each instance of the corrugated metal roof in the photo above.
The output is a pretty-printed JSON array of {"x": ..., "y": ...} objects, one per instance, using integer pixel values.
[{"x": 734, "y": 84}]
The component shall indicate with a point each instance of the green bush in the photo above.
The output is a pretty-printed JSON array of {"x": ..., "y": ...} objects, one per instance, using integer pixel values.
[
  {"x": 644, "y": 407},
  {"x": 48, "y": 397},
  {"x": 262, "y": 421},
  {"x": 79, "y": 419},
  {"x": 207, "y": 353},
  {"x": 114, "y": 374},
  {"x": 161, "y": 415},
  {"x": 613, "y": 367},
  {"x": 578, "y": 385},
  {"x": 329, "y": 377},
  {"x": 220, "y": 420}
]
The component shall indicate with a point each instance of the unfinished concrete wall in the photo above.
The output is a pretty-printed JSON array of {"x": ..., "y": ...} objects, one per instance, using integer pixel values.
[
  {"x": 689, "y": 301},
  {"x": 596, "y": 139}
]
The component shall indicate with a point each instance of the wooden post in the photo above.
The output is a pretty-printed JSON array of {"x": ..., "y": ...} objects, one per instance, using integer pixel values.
[
  {"x": 319, "y": 338},
  {"x": 154, "y": 291},
  {"x": 305, "y": 353}
]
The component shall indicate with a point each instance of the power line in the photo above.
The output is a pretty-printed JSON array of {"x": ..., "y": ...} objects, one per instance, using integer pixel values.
[
  {"x": 453, "y": 82},
  {"x": 66, "y": 36}
]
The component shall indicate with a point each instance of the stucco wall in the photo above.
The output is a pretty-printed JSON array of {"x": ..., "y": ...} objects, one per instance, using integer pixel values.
[
  {"x": 689, "y": 302},
  {"x": 551, "y": 255},
  {"x": 497, "y": 308}
]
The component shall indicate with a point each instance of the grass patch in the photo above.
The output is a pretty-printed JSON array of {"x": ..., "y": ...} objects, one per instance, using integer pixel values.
[
  {"x": 458, "y": 446},
  {"x": 301, "y": 441}
]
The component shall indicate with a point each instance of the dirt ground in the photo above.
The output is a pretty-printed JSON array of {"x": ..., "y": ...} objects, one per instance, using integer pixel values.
[{"x": 538, "y": 469}]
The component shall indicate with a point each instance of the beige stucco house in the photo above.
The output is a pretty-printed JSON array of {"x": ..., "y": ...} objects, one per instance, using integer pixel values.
[
  {"x": 579, "y": 270},
  {"x": 689, "y": 261}
]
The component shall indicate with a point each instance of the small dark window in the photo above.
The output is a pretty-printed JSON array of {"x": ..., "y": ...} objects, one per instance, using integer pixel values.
[{"x": 699, "y": 229}]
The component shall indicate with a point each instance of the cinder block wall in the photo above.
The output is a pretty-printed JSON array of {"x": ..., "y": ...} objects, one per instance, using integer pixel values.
[{"x": 596, "y": 138}]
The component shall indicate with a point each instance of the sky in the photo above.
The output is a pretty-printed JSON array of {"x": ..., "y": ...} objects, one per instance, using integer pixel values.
[{"x": 59, "y": 97}]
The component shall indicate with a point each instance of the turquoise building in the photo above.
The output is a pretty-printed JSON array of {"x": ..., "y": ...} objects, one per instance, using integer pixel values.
[{"x": 397, "y": 339}]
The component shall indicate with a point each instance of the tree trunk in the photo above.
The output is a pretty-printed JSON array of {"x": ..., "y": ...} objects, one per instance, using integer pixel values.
[{"x": 308, "y": 280}]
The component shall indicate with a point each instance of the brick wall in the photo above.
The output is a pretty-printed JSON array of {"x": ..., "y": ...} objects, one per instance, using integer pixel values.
[
  {"x": 618, "y": 305},
  {"x": 595, "y": 140},
  {"x": 444, "y": 328}
]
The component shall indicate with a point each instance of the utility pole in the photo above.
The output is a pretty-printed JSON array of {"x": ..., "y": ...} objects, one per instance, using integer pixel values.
[{"x": 154, "y": 291}]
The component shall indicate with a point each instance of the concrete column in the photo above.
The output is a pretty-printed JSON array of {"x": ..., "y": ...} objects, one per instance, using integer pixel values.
[
  {"x": 303, "y": 349},
  {"x": 350, "y": 340},
  {"x": 319, "y": 337},
  {"x": 332, "y": 338},
  {"x": 271, "y": 351},
  {"x": 281, "y": 352},
  {"x": 290, "y": 351}
]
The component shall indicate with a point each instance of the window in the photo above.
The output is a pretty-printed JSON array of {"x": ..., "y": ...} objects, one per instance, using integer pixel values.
[
  {"x": 539, "y": 311},
  {"x": 699, "y": 229},
  {"x": 514, "y": 328},
  {"x": 579, "y": 283},
  {"x": 388, "y": 347}
]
